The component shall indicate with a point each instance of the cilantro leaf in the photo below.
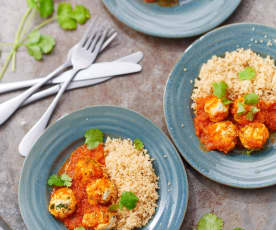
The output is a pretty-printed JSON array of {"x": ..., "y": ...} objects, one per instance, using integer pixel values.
[
  {"x": 247, "y": 74},
  {"x": 63, "y": 180},
  {"x": 34, "y": 37},
  {"x": 129, "y": 200},
  {"x": 46, "y": 8},
  {"x": 254, "y": 110},
  {"x": 67, "y": 183},
  {"x": 35, "y": 52},
  {"x": 113, "y": 207},
  {"x": 68, "y": 18},
  {"x": 32, "y": 4},
  {"x": 47, "y": 44},
  {"x": 138, "y": 144},
  {"x": 93, "y": 137},
  {"x": 250, "y": 116},
  {"x": 226, "y": 101},
  {"x": 251, "y": 99},
  {"x": 65, "y": 16},
  {"x": 219, "y": 89},
  {"x": 210, "y": 222},
  {"x": 39, "y": 44},
  {"x": 241, "y": 109},
  {"x": 55, "y": 180},
  {"x": 81, "y": 14},
  {"x": 79, "y": 228},
  {"x": 65, "y": 177}
]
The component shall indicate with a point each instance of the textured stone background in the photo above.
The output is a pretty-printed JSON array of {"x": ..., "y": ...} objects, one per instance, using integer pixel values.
[{"x": 252, "y": 210}]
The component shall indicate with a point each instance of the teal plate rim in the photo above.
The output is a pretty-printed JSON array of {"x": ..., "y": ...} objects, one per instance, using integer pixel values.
[
  {"x": 49, "y": 153},
  {"x": 188, "y": 20},
  {"x": 234, "y": 170}
]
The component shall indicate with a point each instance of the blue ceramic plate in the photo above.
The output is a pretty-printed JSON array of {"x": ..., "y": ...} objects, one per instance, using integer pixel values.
[
  {"x": 64, "y": 136},
  {"x": 190, "y": 18},
  {"x": 235, "y": 169}
]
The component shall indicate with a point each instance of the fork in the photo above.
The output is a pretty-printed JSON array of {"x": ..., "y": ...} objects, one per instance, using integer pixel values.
[
  {"x": 83, "y": 55},
  {"x": 8, "y": 108}
]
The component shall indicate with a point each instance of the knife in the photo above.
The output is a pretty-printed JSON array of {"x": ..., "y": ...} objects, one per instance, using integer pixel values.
[
  {"x": 97, "y": 70},
  {"x": 132, "y": 58}
]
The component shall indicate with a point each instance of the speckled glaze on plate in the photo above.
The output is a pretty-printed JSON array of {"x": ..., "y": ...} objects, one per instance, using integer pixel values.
[
  {"x": 52, "y": 149},
  {"x": 235, "y": 169},
  {"x": 189, "y": 18}
]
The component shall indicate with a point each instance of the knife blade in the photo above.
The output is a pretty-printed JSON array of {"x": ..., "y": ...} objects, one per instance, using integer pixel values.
[
  {"x": 11, "y": 86},
  {"x": 99, "y": 70},
  {"x": 132, "y": 58}
]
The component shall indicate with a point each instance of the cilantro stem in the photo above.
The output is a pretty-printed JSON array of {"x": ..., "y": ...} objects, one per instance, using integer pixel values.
[
  {"x": 44, "y": 23},
  {"x": 21, "y": 25},
  {"x": 17, "y": 38},
  {"x": 27, "y": 27},
  {"x": 15, "y": 44},
  {"x": 13, "y": 61},
  {"x": 6, "y": 64}
]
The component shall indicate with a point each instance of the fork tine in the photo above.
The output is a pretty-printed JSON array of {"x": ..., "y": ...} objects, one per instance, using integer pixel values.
[
  {"x": 100, "y": 43},
  {"x": 109, "y": 40},
  {"x": 94, "y": 41},
  {"x": 87, "y": 33},
  {"x": 90, "y": 40}
]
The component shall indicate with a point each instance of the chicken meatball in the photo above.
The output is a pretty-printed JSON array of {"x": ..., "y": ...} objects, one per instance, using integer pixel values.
[
  {"x": 101, "y": 191},
  {"x": 87, "y": 168},
  {"x": 100, "y": 219},
  {"x": 215, "y": 109},
  {"x": 222, "y": 136},
  {"x": 242, "y": 117},
  {"x": 63, "y": 203},
  {"x": 254, "y": 135}
]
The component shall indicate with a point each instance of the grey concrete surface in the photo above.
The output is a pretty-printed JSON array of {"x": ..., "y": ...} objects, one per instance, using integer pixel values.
[{"x": 252, "y": 210}]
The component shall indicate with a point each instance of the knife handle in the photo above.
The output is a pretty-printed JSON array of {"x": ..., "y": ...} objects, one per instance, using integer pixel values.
[{"x": 11, "y": 86}]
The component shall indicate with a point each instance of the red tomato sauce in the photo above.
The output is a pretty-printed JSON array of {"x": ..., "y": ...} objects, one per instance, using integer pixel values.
[
  {"x": 78, "y": 185},
  {"x": 267, "y": 116},
  {"x": 163, "y": 2}
]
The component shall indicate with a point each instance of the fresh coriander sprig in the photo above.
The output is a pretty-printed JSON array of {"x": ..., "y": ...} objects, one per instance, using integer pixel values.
[
  {"x": 128, "y": 200},
  {"x": 63, "y": 180},
  {"x": 210, "y": 221},
  {"x": 219, "y": 90},
  {"x": 251, "y": 99},
  {"x": 39, "y": 44},
  {"x": 46, "y": 10},
  {"x": 138, "y": 144},
  {"x": 93, "y": 137},
  {"x": 247, "y": 74},
  {"x": 241, "y": 109}
]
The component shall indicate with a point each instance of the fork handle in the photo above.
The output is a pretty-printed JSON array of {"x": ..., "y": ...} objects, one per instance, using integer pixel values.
[
  {"x": 47, "y": 115},
  {"x": 9, "y": 107},
  {"x": 37, "y": 130}
]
